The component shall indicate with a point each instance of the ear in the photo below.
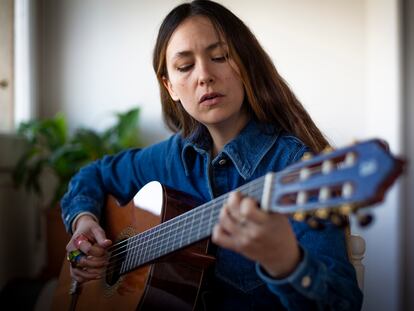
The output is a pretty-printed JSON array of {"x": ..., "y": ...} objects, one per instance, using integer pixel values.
[{"x": 168, "y": 86}]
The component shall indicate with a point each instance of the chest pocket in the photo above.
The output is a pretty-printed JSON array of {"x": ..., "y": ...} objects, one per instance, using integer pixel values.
[{"x": 236, "y": 271}]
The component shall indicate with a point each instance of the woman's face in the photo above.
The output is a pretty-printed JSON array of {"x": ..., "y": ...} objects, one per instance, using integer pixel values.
[{"x": 201, "y": 77}]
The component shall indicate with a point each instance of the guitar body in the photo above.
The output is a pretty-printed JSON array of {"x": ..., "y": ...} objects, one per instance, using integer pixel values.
[{"x": 170, "y": 283}]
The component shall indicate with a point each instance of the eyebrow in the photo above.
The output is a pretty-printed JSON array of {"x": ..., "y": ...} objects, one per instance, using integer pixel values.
[{"x": 209, "y": 48}]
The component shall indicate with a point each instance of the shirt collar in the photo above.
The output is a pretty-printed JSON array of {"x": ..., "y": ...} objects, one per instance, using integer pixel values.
[{"x": 245, "y": 151}]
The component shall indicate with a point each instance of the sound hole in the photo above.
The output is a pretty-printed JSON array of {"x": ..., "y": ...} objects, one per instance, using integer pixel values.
[{"x": 116, "y": 260}]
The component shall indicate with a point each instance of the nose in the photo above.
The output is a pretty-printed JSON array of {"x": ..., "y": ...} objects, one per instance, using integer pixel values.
[
  {"x": 205, "y": 75},
  {"x": 206, "y": 80}
]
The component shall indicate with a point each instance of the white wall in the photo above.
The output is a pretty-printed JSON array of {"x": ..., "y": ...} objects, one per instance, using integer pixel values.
[
  {"x": 408, "y": 145},
  {"x": 340, "y": 57}
]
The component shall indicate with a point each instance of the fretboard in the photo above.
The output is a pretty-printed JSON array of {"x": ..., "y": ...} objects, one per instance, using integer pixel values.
[{"x": 178, "y": 232}]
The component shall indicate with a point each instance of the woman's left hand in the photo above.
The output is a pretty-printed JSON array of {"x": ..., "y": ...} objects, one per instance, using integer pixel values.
[{"x": 264, "y": 237}]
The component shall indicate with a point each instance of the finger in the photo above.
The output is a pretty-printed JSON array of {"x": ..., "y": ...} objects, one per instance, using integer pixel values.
[
  {"x": 71, "y": 245},
  {"x": 222, "y": 238},
  {"x": 80, "y": 239},
  {"x": 93, "y": 262},
  {"x": 76, "y": 277},
  {"x": 97, "y": 251},
  {"x": 92, "y": 249},
  {"x": 84, "y": 247},
  {"x": 85, "y": 275},
  {"x": 93, "y": 271},
  {"x": 234, "y": 199},
  {"x": 233, "y": 205},
  {"x": 227, "y": 221},
  {"x": 250, "y": 211},
  {"x": 100, "y": 237}
]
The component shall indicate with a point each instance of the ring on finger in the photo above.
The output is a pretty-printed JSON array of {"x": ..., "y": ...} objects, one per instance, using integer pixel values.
[{"x": 74, "y": 258}]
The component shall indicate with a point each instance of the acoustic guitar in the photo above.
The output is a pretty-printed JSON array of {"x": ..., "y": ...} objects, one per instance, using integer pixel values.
[{"x": 160, "y": 251}]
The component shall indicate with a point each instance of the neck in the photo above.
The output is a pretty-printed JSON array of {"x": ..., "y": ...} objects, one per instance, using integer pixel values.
[
  {"x": 221, "y": 134},
  {"x": 175, "y": 233}
]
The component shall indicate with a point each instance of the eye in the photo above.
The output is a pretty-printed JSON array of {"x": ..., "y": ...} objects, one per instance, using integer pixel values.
[
  {"x": 220, "y": 59},
  {"x": 185, "y": 68}
]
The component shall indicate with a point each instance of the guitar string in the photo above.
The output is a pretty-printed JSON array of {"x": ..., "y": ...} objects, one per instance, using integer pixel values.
[
  {"x": 155, "y": 247},
  {"x": 149, "y": 256},
  {"x": 193, "y": 212},
  {"x": 295, "y": 174},
  {"x": 142, "y": 244},
  {"x": 241, "y": 188},
  {"x": 259, "y": 180}
]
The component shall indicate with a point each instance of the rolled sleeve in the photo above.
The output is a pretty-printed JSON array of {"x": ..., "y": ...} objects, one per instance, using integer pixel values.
[
  {"x": 312, "y": 286},
  {"x": 80, "y": 204},
  {"x": 306, "y": 279}
]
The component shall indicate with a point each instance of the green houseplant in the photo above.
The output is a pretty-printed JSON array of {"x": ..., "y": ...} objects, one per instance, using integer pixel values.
[{"x": 51, "y": 149}]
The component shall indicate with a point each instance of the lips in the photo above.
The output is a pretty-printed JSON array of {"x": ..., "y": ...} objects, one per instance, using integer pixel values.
[{"x": 210, "y": 96}]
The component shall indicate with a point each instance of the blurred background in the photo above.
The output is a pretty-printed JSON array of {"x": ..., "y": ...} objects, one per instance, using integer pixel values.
[{"x": 349, "y": 62}]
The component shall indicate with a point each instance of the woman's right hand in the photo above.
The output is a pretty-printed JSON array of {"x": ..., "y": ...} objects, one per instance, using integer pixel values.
[{"x": 90, "y": 239}]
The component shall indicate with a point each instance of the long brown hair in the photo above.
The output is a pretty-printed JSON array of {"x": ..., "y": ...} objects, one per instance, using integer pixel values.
[{"x": 269, "y": 98}]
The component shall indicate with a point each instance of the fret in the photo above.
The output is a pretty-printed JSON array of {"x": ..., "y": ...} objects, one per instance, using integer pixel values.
[
  {"x": 140, "y": 250},
  {"x": 198, "y": 231},
  {"x": 130, "y": 248},
  {"x": 158, "y": 243},
  {"x": 211, "y": 219},
  {"x": 123, "y": 265},
  {"x": 170, "y": 243},
  {"x": 181, "y": 234},
  {"x": 204, "y": 216},
  {"x": 129, "y": 254},
  {"x": 132, "y": 252},
  {"x": 137, "y": 252},
  {"x": 144, "y": 248},
  {"x": 191, "y": 221}
]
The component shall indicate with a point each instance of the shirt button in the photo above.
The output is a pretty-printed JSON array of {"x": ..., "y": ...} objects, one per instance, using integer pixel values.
[
  {"x": 222, "y": 161},
  {"x": 306, "y": 281}
]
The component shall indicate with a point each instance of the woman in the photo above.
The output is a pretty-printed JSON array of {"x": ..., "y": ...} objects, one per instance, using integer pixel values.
[{"x": 235, "y": 119}]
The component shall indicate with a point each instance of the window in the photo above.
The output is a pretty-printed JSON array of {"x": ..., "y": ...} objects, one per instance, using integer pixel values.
[
  {"x": 6, "y": 65},
  {"x": 17, "y": 54}
]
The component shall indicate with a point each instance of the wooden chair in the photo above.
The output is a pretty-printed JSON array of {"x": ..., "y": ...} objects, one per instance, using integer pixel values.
[{"x": 356, "y": 252}]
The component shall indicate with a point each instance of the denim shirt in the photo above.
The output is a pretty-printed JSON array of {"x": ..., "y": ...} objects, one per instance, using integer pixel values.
[{"x": 324, "y": 279}]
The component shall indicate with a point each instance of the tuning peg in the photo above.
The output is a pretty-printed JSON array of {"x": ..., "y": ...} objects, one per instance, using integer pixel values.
[
  {"x": 350, "y": 159},
  {"x": 322, "y": 213},
  {"x": 327, "y": 149},
  {"x": 339, "y": 220},
  {"x": 315, "y": 223},
  {"x": 307, "y": 156},
  {"x": 364, "y": 219},
  {"x": 346, "y": 209},
  {"x": 299, "y": 216},
  {"x": 347, "y": 190}
]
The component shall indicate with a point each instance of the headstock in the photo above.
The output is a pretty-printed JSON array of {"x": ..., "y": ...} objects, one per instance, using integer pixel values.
[{"x": 336, "y": 183}]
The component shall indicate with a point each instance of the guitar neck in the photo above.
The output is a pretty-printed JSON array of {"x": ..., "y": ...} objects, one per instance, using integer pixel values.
[
  {"x": 180, "y": 231},
  {"x": 339, "y": 182}
]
